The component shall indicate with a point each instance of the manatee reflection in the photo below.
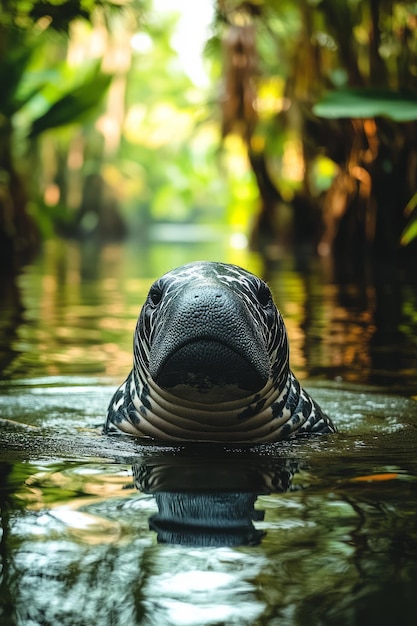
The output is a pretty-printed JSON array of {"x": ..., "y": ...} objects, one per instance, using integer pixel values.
[{"x": 210, "y": 501}]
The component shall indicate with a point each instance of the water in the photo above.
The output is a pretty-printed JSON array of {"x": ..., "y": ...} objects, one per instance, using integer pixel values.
[{"x": 105, "y": 530}]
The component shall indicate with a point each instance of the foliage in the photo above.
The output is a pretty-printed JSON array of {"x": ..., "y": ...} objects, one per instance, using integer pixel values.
[
  {"x": 165, "y": 168},
  {"x": 56, "y": 14},
  {"x": 345, "y": 84},
  {"x": 12, "y": 72},
  {"x": 24, "y": 30},
  {"x": 322, "y": 96},
  {"x": 66, "y": 108},
  {"x": 72, "y": 106},
  {"x": 170, "y": 168},
  {"x": 410, "y": 230},
  {"x": 368, "y": 103}
]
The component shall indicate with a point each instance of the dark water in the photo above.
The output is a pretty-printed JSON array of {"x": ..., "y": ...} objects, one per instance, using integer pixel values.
[{"x": 105, "y": 531}]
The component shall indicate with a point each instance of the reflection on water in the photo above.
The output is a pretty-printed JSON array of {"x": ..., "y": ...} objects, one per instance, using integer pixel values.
[
  {"x": 105, "y": 531},
  {"x": 77, "y": 305},
  {"x": 75, "y": 310},
  {"x": 80, "y": 545},
  {"x": 207, "y": 500}
]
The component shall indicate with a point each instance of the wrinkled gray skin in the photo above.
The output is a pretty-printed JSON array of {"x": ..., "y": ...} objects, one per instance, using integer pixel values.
[{"x": 211, "y": 363}]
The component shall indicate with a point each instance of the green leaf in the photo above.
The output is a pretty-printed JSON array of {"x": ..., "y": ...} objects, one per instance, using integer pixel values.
[
  {"x": 74, "y": 105},
  {"x": 12, "y": 69},
  {"x": 411, "y": 205},
  {"x": 409, "y": 232},
  {"x": 368, "y": 103},
  {"x": 21, "y": 101}
]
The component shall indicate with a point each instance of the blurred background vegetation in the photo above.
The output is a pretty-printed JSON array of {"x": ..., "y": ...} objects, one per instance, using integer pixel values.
[{"x": 296, "y": 129}]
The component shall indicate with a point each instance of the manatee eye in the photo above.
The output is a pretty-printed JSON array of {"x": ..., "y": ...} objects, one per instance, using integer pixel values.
[
  {"x": 155, "y": 295},
  {"x": 264, "y": 295}
]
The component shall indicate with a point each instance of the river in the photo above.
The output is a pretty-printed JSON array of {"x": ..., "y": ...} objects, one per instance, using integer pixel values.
[{"x": 113, "y": 531}]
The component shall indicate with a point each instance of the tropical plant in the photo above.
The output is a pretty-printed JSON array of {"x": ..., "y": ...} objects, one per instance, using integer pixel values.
[
  {"x": 347, "y": 88},
  {"x": 24, "y": 30},
  {"x": 410, "y": 230}
]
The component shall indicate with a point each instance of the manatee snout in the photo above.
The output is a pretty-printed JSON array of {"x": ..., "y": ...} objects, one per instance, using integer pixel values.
[{"x": 207, "y": 338}]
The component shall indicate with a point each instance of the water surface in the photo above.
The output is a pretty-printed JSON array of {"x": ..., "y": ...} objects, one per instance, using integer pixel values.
[{"x": 110, "y": 531}]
